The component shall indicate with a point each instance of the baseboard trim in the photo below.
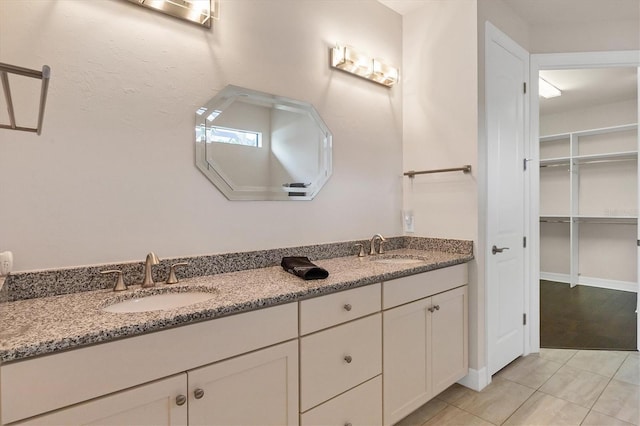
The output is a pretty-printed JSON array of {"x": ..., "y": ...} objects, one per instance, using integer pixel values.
[
  {"x": 629, "y": 286},
  {"x": 475, "y": 379}
]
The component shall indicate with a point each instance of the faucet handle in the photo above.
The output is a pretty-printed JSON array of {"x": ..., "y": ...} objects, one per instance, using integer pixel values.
[
  {"x": 120, "y": 285},
  {"x": 361, "y": 251},
  {"x": 380, "y": 248},
  {"x": 172, "y": 279}
]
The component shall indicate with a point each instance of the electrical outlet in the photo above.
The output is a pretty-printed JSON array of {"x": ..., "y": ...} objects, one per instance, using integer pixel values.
[
  {"x": 408, "y": 221},
  {"x": 6, "y": 263}
]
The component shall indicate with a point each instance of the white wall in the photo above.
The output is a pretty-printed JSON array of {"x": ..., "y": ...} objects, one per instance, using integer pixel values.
[
  {"x": 594, "y": 117},
  {"x": 605, "y": 189},
  {"x": 113, "y": 175},
  {"x": 440, "y": 127}
]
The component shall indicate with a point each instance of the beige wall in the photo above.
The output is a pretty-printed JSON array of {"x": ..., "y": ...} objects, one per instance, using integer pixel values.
[
  {"x": 440, "y": 127},
  {"x": 113, "y": 175}
]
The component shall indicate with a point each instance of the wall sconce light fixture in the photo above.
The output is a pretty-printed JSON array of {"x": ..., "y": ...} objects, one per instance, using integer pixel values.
[
  {"x": 197, "y": 11},
  {"x": 350, "y": 60}
]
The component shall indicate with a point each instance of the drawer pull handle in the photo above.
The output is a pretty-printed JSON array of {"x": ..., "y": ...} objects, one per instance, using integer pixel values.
[
  {"x": 198, "y": 393},
  {"x": 181, "y": 399},
  {"x": 347, "y": 307},
  {"x": 434, "y": 308},
  {"x": 348, "y": 359},
  {"x": 348, "y": 424}
]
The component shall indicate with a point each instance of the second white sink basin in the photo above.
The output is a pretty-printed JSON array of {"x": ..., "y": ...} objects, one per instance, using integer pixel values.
[{"x": 159, "y": 302}]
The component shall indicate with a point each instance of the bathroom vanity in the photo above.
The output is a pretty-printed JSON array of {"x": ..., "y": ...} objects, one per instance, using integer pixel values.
[{"x": 367, "y": 346}]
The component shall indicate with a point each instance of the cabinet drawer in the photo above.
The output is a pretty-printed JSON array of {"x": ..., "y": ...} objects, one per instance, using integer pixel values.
[
  {"x": 338, "y": 359},
  {"x": 326, "y": 311},
  {"x": 407, "y": 289},
  {"x": 361, "y": 406}
]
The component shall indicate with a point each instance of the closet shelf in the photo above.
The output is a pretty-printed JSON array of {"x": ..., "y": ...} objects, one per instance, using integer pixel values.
[
  {"x": 609, "y": 157},
  {"x": 624, "y": 220},
  {"x": 590, "y": 132},
  {"x": 43, "y": 75}
]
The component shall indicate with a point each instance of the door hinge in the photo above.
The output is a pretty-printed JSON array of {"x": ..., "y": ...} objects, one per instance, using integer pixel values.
[
  {"x": 524, "y": 242},
  {"x": 524, "y": 319},
  {"x": 524, "y": 87}
]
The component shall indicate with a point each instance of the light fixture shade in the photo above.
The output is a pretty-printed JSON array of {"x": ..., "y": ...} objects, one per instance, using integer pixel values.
[
  {"x": 197, "y": 11},
  {"x": 547, "y": 90},
  {"x": 350, "y": 60}
]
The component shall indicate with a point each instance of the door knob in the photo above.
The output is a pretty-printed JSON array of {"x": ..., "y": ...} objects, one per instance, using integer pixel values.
[{"x": 495, "y": 249}]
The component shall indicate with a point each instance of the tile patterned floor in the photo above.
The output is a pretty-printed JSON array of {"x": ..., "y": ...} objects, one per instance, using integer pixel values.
[{"x": 555, "y": 387}]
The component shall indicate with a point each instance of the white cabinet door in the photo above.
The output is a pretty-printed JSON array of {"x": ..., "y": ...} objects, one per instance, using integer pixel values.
[
  {"x": 259, "y": 388},
  {"x": 425, "y": 351},
  {"x": 449, "y": 335},
  {"x": 406, "y": 368},
  {"x": 153, "y": 404}
]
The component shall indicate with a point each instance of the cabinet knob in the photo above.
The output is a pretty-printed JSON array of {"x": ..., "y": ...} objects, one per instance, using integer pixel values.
[
  {"x": 181, "y": 399},
  {"x": 347, "y": 307},
  {"x": 431, "y": 309},
  {"x": 348, "y": 359},
  {"x": 437, "y": 307},
  {"x": 348, "y": 424},
  {"x": 198, "y": 393}
]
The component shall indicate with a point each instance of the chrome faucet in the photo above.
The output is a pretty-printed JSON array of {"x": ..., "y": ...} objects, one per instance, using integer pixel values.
[
  {"x": 152, "y": 259},
  {"x": 373, "y": 244}
]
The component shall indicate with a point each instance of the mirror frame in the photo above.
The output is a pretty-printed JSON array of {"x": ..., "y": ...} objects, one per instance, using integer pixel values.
[{"x": 229, "y": 95}]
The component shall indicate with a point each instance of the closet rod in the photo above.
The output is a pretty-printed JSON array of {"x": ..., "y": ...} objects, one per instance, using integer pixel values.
[
  {"x": 43, "y": 75},
  {"x": 599, "y": 222},
  {"x": 465, "y": 169},
  {"x": 566, "y": 163}
]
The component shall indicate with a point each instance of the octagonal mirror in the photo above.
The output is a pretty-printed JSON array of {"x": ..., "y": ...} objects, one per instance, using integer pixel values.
[{"x": 257, "y": 146}]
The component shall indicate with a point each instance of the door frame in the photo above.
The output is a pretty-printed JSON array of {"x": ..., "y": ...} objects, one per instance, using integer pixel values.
[{"x": 627, "y": 58}]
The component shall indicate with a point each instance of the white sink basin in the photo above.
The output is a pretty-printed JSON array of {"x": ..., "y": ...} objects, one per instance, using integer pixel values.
[
  {"x": 159, "y": 302},
  {"x": 399, "y": 260}
]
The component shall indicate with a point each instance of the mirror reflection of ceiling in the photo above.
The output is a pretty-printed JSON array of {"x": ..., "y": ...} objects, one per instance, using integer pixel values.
[{"x": 582, "y": 88}]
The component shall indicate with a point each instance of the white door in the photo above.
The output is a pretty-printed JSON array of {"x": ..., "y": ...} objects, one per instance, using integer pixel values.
[{"x": 507, "y": 67}]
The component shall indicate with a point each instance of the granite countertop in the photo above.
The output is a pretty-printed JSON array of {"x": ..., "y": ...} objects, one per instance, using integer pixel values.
[{"x": 45, "y": 325}]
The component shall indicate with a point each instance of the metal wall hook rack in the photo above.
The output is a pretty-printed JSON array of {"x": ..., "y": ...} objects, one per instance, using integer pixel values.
[
  {"x": 465, "y": 169},
  {"x": 43, "y": 75}
]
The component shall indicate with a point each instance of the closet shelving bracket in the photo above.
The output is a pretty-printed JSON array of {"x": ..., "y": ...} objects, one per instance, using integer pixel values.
[{"x": 43, "y": 75}]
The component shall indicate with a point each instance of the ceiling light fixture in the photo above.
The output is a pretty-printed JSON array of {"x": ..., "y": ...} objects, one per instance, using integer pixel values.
[
  {"x": 547, "y": 90},
  {"x": 348, "y": 59}
]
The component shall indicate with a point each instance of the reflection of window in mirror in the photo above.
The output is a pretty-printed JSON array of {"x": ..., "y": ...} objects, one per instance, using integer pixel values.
[{"x": 235, "y": 136}]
